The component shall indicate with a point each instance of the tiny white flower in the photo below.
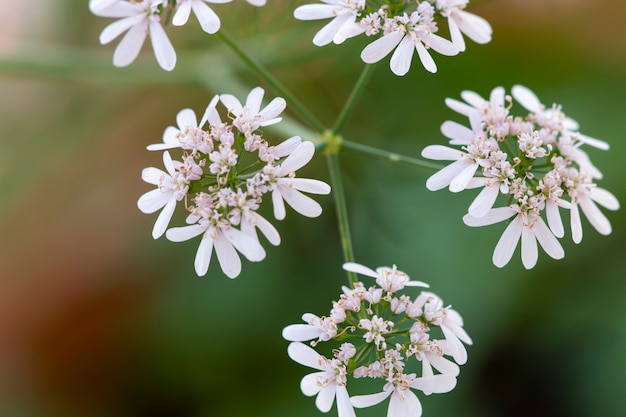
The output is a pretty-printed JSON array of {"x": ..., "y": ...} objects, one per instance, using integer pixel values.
[
  {"x": 329, "y": 383},
  {"x": 459, "y": 21},
  {"x": 138, "y": 19},
  {"x": 288, "y": 188},
  {"x": 209, "y": 21},
  {"x": 527, "y": 226},
  {"x": 411, "y": 33},
  {"x": 171, "y": 187},
  {"x": 403, "y": 401},
  {"x": 343, "y": 13}
]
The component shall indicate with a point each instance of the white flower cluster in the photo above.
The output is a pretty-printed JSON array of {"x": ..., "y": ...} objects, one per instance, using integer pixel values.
[
  {"x": 535, "y": 160},
  {"x": 380, "y": 334},
  {"x": 406, "y": 26},
  {"x": 224, "y": 172},
  {"x": 138, "y": 18}
]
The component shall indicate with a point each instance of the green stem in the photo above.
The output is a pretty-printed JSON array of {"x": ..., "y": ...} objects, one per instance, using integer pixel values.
[
  {"x": 348, "y": 107},
  {"x": 271, "y": 80},
  {"x": 342, "y": 211},
  {"x": 390, "y": 156}
]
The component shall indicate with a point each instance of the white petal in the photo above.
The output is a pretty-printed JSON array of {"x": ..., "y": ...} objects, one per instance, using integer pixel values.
[
  {"x": 170, "y": 140},
  {"x": 595, "y": 216},
  {"x": 529, "y": 248},
  {"x": 273, "y": 109},
  {"x": 203, "y": 255},
  {"x": 304, "y": 355},
  {"x": 441, "y": 45},
  {"x": 401, "y": 59},
  {"x": 153, "y": 200},
  {"x": 279, "y": 204},
  {"x": 457, "y": 349},
  {"x": 484, "y": 201},
  {"x": 182, "y": 13},
  {"x": 254, "y": 99},
  {"x": 475, "y": 27},
  {"x": 364, "y": 401},
  {"x": 309, "y": 385},
  {"x": 130, "y": 45},
  {"x": 381, "y": 47},
  {"x": 328, "y": 32},
  {"x": 298, "y": 158},
  {"x": 314, "y": 12},
  {"x": 460, "y": 181},
  {"x": 503, "y": 252},
  {"x": 444, "y": 365},
  {"x": 554, "y": 219},
  {"x": 325, "y": 398},
  {"x": 163, "y": 49},
  {"x": 359, "y": 269},
  {"x": 548, "y": 241},
  {"x": 268, "y": 230},
  {"x": 460, "y": 107},
  {"x": 232, "y": 104},
  {"x": 288, "y": 146},
  {"x": 444, "y": 177},
  {"x": 455, "y": 34},
  {"x": 209, "y": 21},
  {"x": 299, "y": 202},
  {"x": 301, "y": 332},
  {"x": 604, "y": 198},
  {"x": 459, "y": 134},
  {"x": 576, "y": 224},
  {"x": 210, "y": 114},
  {"x": 437, "y": 383},
  {"x": 308, "y": 185},
  {"x": 116, "y": 28},
  {"x": 344, "y": 408},
  {"x": 473, "y": 98},
  {"x": 186, "y": 118},
  {"x": 491, "y": 217},
  {"x": 427, "y": 60},
  {"x": 405, "y": 405},
  {"x": 164, "y": 219},
  {"x": 441, "y": 153},
  {"x": 596, "y": 143},
  {"x": 526, "y": 98},
  {"x": 152, "y": 175},
  {"x": 181, "y": 234},
  {"x": 249, "y": 247},
  {"x": 227, "y": 256}
]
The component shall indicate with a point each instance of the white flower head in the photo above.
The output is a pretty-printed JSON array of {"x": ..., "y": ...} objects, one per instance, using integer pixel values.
[{"x": 137, "y": 19}]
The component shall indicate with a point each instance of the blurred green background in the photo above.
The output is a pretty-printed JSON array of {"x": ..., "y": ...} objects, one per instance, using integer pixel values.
[{"x": 97, "y": 319}]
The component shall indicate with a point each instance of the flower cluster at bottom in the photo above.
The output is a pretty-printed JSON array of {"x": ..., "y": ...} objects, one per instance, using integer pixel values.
[{"x": 380, "y": 334}]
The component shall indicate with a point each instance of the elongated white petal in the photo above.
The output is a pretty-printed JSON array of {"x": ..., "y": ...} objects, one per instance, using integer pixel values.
[
  {"x": 299, "y": 202},
  {"x": 438, "y": 384},
  {"x": 460, "y": 107},
  {"x": 210, "y": 114},
  {"x": 344, "y": 407},
  {"x": 231, "y": 102},
  {"x": 288, "y": 146},
  {"x": 268, "y": 230},
  {"x": 298, "y": 158},
  {"x": 314, "y": 12},
  {"x": 279, "y": 204},
  {"x": 113, "y": 8},
  {"x": 554, "y": 219},
  {"x": 441, "y": 45},
  {"x": 328, "y": 32},
  {"x": 457, "y": 349},
  {"x": 182, "y": 13},
  {"x": 526, "y": 98},
  {"x": 463, "y": 178},
  {"x": 152, "y": 175},
  {"x": 597, "y": 219},
  {"x": 444, "y": 177},
  {"x": 304, "y": 355},
  {"x": 441, "y": 153},
  {"x": 325, "y": 398},
  {"x": 484, "y": 201},
  {"x": 401, "y": 59},
  {"x": 360, "y": 269},
  {"x": 163, "y": 49},
  {"x": 475, "y": 27},
  {"x": 273, "y": 109},
  {"x": 404, "y": 404},
  {"x": 116, "y": 28},
  {"x": 364, "y": 401},
  {"x": 455, "y": 34},
  {"x": 604, "y": 198},
  {"x": 249, "y": 247},
  {"x": 186, "y": 118},
  {"x": 529, "y": 248},
  {"x": 301, "y": 332},
  {"x": 444, "y": 365},
  {"x": 203, "y": 255},
  {"x": 381, "y": 47},
  {"x": 503, "y": 252},
  {"x": 181, "y": 234},
  {"x": 164, "y": 219},
  {"x": 459, "y": 134},
  {"x": 254, "y": 99},
  {"x": 427, "y": 61},
  {"x": 130, "y": 45},
  {"x": 596, "y": 143},
  {"x": 491, "y": 217},
  {"x": 153, "y": 200},
  {"x": 309, "y": 383},
  {"x": 576, "y": 224},
  {"x": 227, "y": 256},
  {"x": 209, "y": 21},
  {"x": 170, "y": 140},
  {"x": 308, "y": 185},
  {"x": 548, "y": 241}
]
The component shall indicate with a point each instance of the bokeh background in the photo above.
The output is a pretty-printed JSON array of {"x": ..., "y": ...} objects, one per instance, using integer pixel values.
[{"x": 98, "y": 319}]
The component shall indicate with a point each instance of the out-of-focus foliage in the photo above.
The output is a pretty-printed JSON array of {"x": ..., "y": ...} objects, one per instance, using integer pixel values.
[{"x": 98, "y": 319}]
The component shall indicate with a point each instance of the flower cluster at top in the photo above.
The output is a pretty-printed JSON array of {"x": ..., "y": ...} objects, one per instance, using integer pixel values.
[
  {"x": 138, "y": 18},
  {"x": 534, "y": 160},
  {"x": 376, "y": 332},
  {"x": 406, "y": 26},
  {"x": 224, "y": 171}
]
